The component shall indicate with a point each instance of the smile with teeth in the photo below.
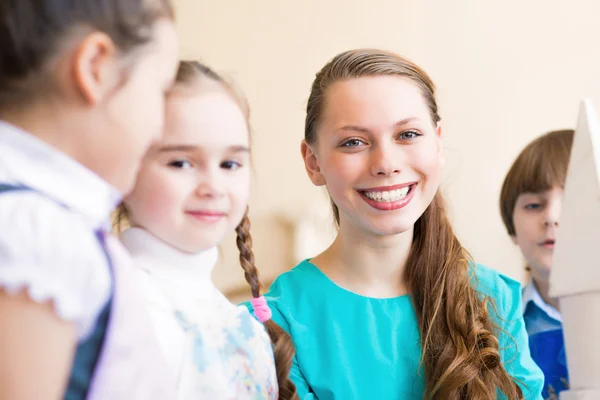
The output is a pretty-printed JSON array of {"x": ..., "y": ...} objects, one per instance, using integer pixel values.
[{"x": 388, "y": 196}]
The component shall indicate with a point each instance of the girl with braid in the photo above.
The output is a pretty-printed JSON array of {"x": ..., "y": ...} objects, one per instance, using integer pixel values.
[
  {"x": 191, "y": 192},
  {"x": 395, "y": 308}
]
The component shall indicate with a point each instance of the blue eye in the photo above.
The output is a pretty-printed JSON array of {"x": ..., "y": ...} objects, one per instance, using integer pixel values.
[
  {"x": 231, "y": 165},
  {"x": 180, "y": 164},
  {"x": 533, "y": 206},
  {"x": 409, "y": 135},
  {"x": 353, "y": 143}
]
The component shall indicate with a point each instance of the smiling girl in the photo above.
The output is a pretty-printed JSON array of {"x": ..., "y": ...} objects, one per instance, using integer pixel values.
[
  {"x": 191, "y": 192},
  {"x": 395, "y": 308}
]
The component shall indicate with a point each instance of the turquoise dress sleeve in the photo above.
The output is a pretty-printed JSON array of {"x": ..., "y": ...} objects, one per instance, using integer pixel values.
[{"x": 512, "y": 335}]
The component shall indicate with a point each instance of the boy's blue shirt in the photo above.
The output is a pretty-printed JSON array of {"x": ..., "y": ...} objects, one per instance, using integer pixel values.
[{"x": 544, "y": 327}]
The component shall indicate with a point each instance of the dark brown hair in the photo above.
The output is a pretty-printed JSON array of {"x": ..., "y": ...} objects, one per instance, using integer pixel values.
[
  {"x": 190, "y": 74},
  {"x": 32, "y": 32},
  {"x": 461, "y": 355},
  {"x": 542, "y": 164},
  {"x": 283, "y": 347}
]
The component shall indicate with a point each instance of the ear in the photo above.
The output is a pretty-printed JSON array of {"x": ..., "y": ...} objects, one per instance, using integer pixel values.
[
  {"x": 311, "y": 163},
  {"x": 438, "y": 131},
  {"x": 95, "y": 67}
]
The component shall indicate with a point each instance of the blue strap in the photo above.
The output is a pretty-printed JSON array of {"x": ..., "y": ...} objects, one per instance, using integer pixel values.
[
  {"x": 88, "y": 352},
  {"x": 5, "y": 187},
  {"x": 86, "y": 358}
]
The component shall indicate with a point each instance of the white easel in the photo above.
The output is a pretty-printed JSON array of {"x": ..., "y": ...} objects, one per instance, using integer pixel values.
[{"x": 575, "y": 276}]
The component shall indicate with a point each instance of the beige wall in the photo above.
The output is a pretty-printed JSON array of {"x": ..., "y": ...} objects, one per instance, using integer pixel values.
[{"x": 506, "y": 72}]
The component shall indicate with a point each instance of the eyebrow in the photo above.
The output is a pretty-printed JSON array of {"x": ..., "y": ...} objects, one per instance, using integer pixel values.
[
  {"x": 362, "y": 129},
  {"x": 239, "y": 149},
  {"x": 177, "y": 147},
  {"x": 191, "y": 147}
]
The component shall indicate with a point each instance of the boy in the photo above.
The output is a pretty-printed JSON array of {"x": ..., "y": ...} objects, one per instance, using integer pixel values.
[{"x": 530, "y": 204}]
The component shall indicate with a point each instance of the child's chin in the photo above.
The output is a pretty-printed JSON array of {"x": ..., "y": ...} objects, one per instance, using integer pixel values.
[
  {"x": 198, "y": 244},
  {"x": 203, "y": 246},
  {"x": 544, "y": 268}
]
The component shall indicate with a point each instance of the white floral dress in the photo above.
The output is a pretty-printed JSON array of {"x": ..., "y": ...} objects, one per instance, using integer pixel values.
[{"x": 217, "y": 350}]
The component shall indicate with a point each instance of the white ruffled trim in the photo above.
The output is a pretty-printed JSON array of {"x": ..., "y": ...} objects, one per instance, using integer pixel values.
[
  {"x": 53, "y": 254},
  {"x": 65, "y": 303}
]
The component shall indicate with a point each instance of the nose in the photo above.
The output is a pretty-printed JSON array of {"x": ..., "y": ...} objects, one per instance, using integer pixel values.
[
  {"x": 385, "y": 160},
  {"x": 209, "y": 184},
  {"x": 552, "y": 216}
]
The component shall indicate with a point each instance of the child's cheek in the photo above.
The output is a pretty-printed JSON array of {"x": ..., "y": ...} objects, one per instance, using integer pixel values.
[
  {"x": 161, "y": 199},
  {"x": 165, "y": 198}
]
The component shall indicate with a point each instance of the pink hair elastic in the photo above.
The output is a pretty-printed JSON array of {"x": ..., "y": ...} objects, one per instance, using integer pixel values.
[{"x": 261, "y": 309}]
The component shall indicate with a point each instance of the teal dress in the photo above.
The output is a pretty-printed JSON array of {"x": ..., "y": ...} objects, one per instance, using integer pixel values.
[{"x": 354, "y": 347}]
